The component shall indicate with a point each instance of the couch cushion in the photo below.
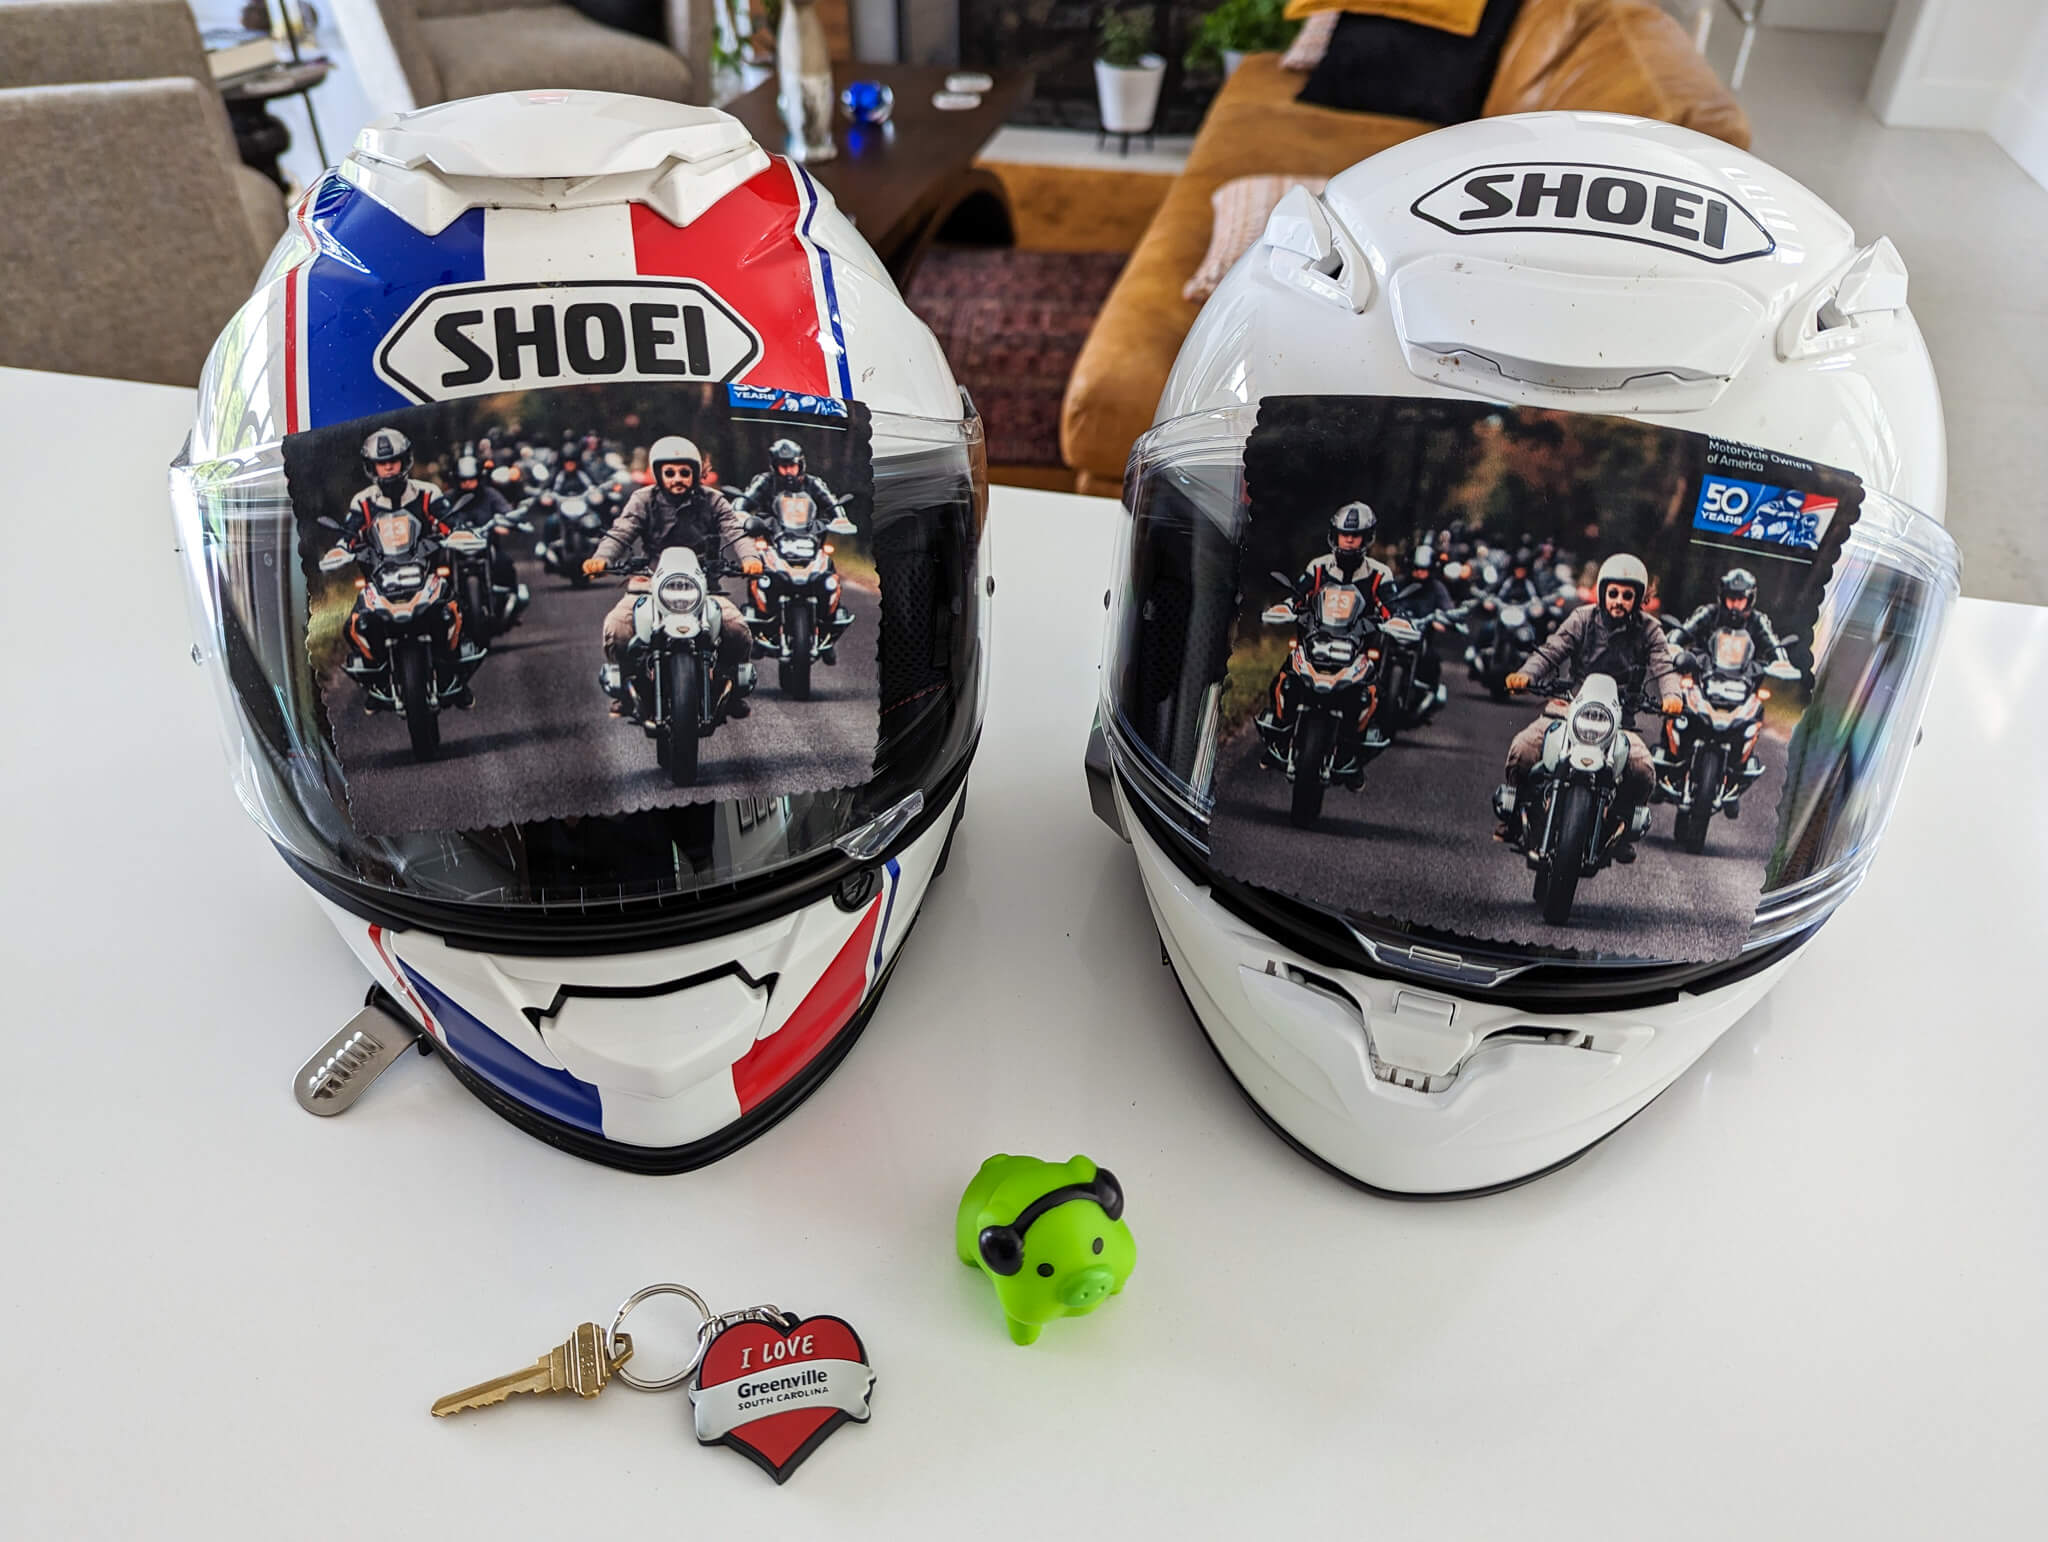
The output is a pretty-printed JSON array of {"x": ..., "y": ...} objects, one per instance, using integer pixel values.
[
  {"x": 66, "y": 42},
  {"x": 1379, "y": 64},
  {"x": 126, "y": 249},
  {"x": 532, "y": 49},
  {"x": 1459, "y": 16},
  {"x": 1254, "y": 126},
  {"x": 1622, "y": 56}
]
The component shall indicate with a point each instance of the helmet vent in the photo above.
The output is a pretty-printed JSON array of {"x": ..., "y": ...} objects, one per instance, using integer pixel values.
[{"x": 1677, "y": 339}]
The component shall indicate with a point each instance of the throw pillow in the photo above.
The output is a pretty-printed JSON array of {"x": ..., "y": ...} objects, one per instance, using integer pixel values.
[
  {"x": 1459, "y": 16},
  {"x": 1377, "y": 64},
  {"x": 643, "y": 18},
  {"x": 1241, "y": 208},
  {"x": 1310, "y": 43}
]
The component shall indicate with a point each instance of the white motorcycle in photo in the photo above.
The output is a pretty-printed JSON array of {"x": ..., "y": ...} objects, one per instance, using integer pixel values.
[
  {"x": 671, "y": 662},
  {"x": 1564, "y": 801}
]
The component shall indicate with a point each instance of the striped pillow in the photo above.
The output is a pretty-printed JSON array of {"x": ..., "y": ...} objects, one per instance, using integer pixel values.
[
  {"x": 1310, "y": 43},
  {"x": 1242, "y": 207}
]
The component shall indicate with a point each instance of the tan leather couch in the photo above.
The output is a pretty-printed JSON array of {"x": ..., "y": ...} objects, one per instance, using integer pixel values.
[{"x": 1593, "y": 55}]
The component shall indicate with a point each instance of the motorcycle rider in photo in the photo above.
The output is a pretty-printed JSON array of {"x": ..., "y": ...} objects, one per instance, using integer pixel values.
[
  {"x": 387, "y": 460},
  {"x": 1351, "y": 529},
  {"x": 475, "y": 505},
  {"x": 786, "y": 474},
  {"x": 1734, "y": 610},
  {"x": 572, "y": 477},
  {"x": 1424, "y": 593},
  {"x": 1613, "y": 636},
  {"x": 677, "y": 510}
]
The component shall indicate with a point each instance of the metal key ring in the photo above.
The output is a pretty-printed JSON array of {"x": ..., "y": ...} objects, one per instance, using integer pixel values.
[{"x": 611, "y": 1336}]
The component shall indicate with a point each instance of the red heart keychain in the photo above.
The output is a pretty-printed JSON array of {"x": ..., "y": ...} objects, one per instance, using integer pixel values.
[{"x": 774, "y": 1391}]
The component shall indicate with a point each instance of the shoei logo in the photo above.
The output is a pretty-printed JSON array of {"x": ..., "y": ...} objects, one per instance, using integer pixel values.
[
  {"x": 471, "y": 338},
  {"x": 1610, "y": 201}
]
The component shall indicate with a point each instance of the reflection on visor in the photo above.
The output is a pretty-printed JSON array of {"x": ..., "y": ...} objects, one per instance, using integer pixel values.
[{"x": 1171, "y": 693}]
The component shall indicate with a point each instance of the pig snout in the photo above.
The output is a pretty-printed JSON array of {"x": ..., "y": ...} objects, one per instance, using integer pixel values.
[{"x": 1085, "y": 1288}]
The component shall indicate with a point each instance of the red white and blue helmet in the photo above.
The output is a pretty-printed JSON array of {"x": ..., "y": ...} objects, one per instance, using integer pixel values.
[{"x": 652, "y": 988}]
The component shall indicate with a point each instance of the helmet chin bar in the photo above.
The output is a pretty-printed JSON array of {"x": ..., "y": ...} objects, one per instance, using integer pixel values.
[
  {"x": 1411, "y": 1092},
  {"x": 1126, "y": 800}
]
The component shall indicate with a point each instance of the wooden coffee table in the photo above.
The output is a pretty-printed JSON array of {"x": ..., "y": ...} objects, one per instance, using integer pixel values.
[{"x": 913, "y": 179}]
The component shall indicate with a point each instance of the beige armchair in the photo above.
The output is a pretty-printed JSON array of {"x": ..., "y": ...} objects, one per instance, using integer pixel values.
[
  {"x": 82, "y": 42},
  {"x": 457, "y": 48},
  {"x": 125, "y": 248}
]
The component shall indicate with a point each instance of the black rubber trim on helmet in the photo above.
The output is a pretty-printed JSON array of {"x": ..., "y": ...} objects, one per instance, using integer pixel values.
[
  {"x": 655, "y": 1159},
  {"x": 1561, "y": 987},
  {"x": 1403, "y": 1195},
  {"x": 570, "y": 932}
]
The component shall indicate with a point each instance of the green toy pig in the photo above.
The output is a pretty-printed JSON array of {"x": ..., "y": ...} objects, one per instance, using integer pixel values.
[{"x": 1049, "y": 1235}]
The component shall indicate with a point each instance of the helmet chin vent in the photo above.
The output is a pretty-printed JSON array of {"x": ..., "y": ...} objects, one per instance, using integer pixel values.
[{"x": 1674, "y": 341}]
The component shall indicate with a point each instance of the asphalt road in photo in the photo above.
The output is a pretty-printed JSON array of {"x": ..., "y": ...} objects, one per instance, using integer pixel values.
[
  {"x": 540, "y": 741},
  {"x": 1418, "y": 843}
]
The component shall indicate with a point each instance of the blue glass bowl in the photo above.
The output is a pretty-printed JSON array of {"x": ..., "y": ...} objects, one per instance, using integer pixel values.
[{"x": 867, "y": 102}]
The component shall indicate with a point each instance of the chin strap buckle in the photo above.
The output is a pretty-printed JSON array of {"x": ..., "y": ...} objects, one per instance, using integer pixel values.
[{"x": 342, "y": 1069}]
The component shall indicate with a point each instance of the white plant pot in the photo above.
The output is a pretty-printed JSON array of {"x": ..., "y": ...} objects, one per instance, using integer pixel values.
[
  {"x": 1232, "y": 58},
  {"x": 1129, "y": 98}
]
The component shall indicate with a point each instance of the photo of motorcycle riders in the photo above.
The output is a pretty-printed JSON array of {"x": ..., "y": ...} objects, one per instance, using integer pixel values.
[
  {"x": 1506, "y": 646},
  {"x": 590, "y": 600}
]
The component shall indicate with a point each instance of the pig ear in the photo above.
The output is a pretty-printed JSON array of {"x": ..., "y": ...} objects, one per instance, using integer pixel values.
[
  {"x": 1109, "y": 1193},
  {"x": 1002, "y": 1249}
]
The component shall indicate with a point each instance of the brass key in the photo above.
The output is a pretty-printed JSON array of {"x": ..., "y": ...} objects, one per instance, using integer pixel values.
[{"x": 580, "y": 1366}]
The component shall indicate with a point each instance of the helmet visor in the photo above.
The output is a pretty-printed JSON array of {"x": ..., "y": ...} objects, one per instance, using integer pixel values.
[
  {"x": 477, "y": 845},
  {"x": 1224, "y": 643}
]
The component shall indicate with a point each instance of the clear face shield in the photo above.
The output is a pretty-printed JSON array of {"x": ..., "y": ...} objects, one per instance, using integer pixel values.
[
  {"x": 1214, "y": 710},
  {"x": 913, "y": 663}
]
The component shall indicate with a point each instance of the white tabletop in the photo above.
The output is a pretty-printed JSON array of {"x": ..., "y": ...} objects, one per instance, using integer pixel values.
[{"x": 1802, "y": 1296}]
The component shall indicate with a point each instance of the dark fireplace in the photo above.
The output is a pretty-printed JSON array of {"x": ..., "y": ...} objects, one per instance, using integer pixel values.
[{"x": 1055, "y": 40}]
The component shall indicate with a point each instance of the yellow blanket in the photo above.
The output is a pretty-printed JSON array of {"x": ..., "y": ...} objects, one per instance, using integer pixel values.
[{"x": 1456, "y": 16}]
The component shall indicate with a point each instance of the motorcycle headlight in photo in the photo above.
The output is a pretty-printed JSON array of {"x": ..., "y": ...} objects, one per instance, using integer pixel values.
[
  {"x": 680, "y": 593},
  {"x": 1592, "y": 724}
]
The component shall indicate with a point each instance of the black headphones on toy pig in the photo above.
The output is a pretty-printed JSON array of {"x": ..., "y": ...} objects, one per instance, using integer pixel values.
[{"x": 1002, "y": 1247}]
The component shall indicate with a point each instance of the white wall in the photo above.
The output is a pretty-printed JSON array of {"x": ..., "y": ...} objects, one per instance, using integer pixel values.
[
  {"x": 2020, "y": 124},
  {"x": 1954, "y": 63},
  {"x": 376, "y": 62}
]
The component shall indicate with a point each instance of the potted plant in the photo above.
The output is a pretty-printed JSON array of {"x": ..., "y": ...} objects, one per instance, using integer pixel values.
[
  {"x": 1236, "y": 28},
  {"x": 1127, "y": 76}
]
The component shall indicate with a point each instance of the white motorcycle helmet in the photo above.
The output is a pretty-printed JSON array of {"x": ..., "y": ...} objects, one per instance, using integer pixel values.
[
  {"x": 647, "y": 989},
  {"x": 1421, "y": 1063}
]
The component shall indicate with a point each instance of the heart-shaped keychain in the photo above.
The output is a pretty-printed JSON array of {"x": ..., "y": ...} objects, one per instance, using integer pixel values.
[{"x": 773, "y": 1390}]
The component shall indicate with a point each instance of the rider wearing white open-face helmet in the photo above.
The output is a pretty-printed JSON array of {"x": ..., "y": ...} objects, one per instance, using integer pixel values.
[
  {"x": 676, "y": 509},
  {"x": 1559, "y": 263},
  {"x": 647, "y": 985},
  {"x": 1614, "y": 636}
]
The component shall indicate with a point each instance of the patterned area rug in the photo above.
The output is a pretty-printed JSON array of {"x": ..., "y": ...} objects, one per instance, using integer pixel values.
[{"x": 1012, "y": 324}]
